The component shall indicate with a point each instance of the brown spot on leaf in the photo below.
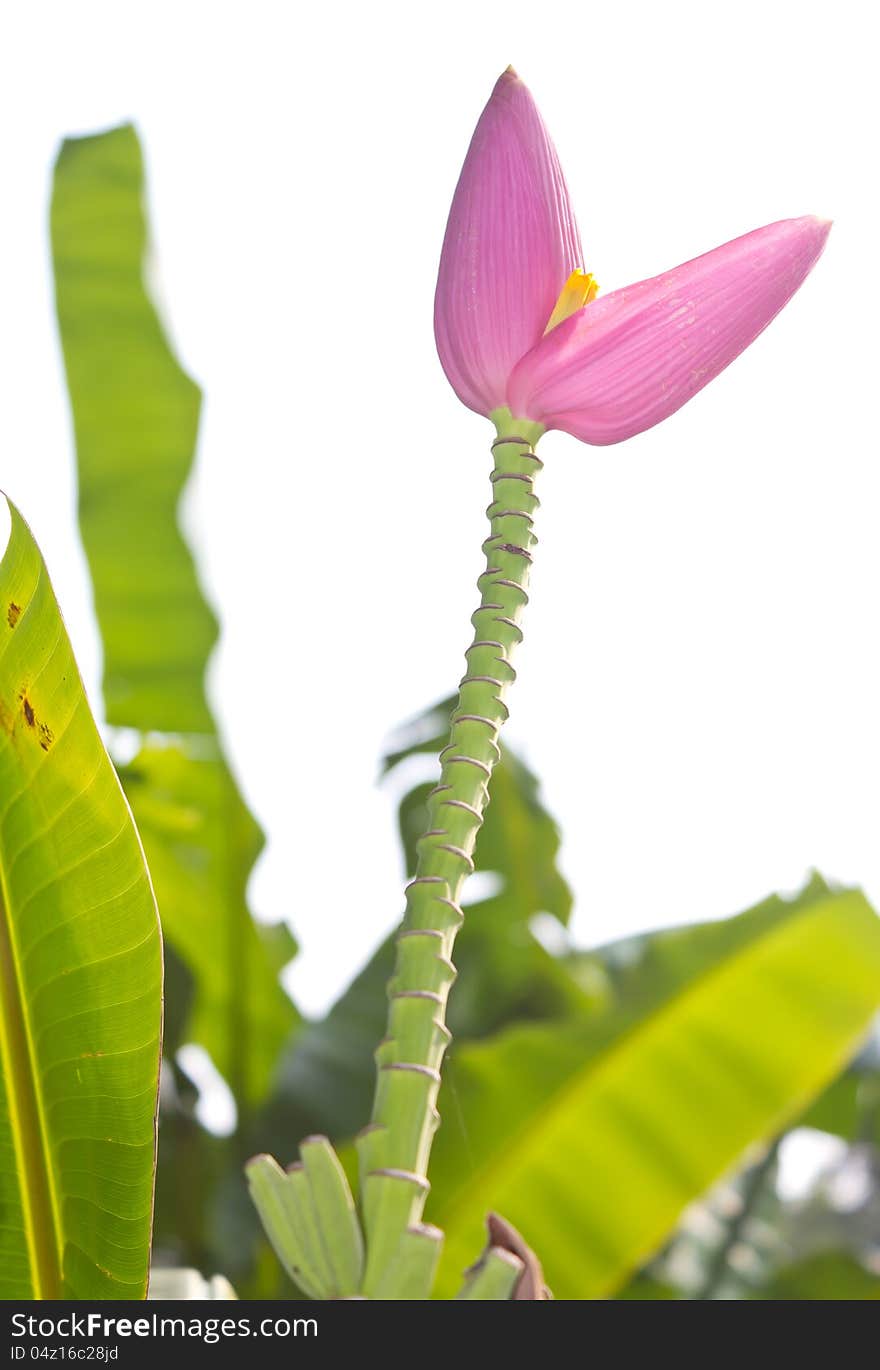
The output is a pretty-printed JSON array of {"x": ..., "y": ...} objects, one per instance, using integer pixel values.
[
  {"x": 13, "y": 613},
  {"x": 45, "y": 735}
]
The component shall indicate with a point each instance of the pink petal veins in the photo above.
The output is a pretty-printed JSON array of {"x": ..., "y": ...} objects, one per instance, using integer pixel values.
[
  {"x": 511, "y": 243},
  {"x": 633, "y": 357}
]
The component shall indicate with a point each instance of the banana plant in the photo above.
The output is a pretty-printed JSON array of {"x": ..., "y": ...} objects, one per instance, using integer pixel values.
[
  {"x": 601, "y": 1093},
  {"x": 525, "y": 342},
  {"x": 80, "y": 973}
]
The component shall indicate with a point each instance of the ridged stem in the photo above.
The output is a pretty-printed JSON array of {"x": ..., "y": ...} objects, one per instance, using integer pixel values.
[{"x": 394, "y": 1148}]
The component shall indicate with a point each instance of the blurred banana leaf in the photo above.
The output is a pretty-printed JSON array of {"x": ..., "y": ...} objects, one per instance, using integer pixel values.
[
  {"x": 746, "y": 1236},
  {"x": 592, "y": 1135},
  {"x": 644, "y": 1290},
  {"x": 505, "y": 974},
  {"x": 135, "y": 420},
  {"x": 850, "y": 1106},
  {"x": 201, "y": 843},
  {"x": 837, "y": 1108},
  {"x": 830, "y": 1275},
  {"x": 135, "y": 415},
  {"x": 80, "y": 974}
]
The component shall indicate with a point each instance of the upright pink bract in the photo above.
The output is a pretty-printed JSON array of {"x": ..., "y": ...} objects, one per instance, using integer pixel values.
[
  {"x": 621, "y": 363},
  {"x": 511, "y": 242}
]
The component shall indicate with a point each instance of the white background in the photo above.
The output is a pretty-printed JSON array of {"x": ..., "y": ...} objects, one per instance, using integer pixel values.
[{"x": 699, "y": 686}]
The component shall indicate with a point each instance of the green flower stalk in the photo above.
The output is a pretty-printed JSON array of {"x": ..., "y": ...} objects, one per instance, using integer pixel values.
[
  {"x": 524, "y": 341},
  {"x": 394, "y": 1148}
]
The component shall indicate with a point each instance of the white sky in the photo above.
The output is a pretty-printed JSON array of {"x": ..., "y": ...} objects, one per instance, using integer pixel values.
[{"x": 699, "y": 684}]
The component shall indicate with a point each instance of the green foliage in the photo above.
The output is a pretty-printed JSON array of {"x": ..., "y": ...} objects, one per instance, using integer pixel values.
[
  {"x": 643, "y": 1289},
  {"x": 828, "y": 1275},
  {"x": 326, "y": 1081},
  {"x": 589, "y": 1097},
  {"x": 201, "y": 843},
  {"x": 135, "y": 416},
  {"x": 850, "y": 1106},
  {"x": 135, "y": 419},
  {"x": 592, "y": 1136},
  {"x": 80, "y": 974},
  {"x": 614, "y": 996}
]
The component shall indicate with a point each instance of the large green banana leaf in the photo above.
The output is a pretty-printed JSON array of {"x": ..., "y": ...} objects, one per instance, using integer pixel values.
[
  {"x": 592, "y": 1136},
  {"x": 80, "y": 974},
  {"x": 135, "y": 414}
]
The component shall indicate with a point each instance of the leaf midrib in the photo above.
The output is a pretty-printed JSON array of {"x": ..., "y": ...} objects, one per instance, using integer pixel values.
[{"x": 28, "y": 1137}]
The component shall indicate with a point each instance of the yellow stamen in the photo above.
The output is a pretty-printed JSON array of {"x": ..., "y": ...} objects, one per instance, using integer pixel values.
[{"x": 580, "y": 288}]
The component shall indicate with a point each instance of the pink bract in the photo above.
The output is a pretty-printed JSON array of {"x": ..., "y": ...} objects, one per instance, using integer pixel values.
[
  {"x": 511, "y": 241},
  {"x": 631, "y": 358},
  {"x": 621, "y": 363}
]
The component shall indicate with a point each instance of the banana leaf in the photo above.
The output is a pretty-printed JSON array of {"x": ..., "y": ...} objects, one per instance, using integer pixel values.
[
  {"x": 135, "y": 416},
  {"x": 80, "y": 974},
  {"x": 591, "y": 1136}
]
